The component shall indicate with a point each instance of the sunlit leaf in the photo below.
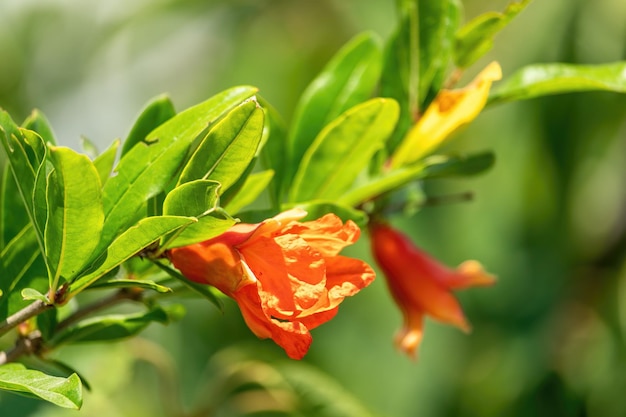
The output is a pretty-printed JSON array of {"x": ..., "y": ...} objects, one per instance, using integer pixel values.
[
  {"x": 37, "y": 122},
  {"x": 544, "y": 79},
  {"x": 343, "y": 149},
  {"x": 131, "y": 283},
  {"x": 31, "y": 294},
  {"x": 64, "y": 392},
  {"x": 197, "y": 199},
  {"x": 475, "y": 39},
  {"x": 150, "y": 165},
  {"x": 104, "y": 162},
  {"x": 348, "y": 79},
  {"x": 254, "y": 185},
  {"x": 316, "y": 209},
  {"x": 129, "y": 243},
  {"x": 75, "y": 214},
  {"x": 273, "y": 154},
  {"x": 157, "y": 111}
]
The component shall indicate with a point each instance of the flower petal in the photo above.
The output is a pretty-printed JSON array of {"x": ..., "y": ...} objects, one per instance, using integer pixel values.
[
  {"x": 328, "y": 234},
  {"x": 410, "y": 335},
  {"x": 469, "y": 274}
]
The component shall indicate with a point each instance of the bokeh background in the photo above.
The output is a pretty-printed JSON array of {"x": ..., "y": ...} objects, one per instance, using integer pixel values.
[{"x": 549, "y": 220}]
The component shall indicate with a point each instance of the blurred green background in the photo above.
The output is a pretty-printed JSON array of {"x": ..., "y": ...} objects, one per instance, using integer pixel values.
[{"x": 549, "y": 220}]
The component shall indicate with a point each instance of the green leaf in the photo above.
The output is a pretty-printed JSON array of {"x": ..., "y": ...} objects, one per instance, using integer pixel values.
[
  {"x": 544, "y": 79},
  {"x": 316, "y": 209},
  {"x": 199, "y": 199},
  {"x": 343, "y": 149},
  {"x": 157, "y": 111},
  {"x": 13, "y": 215},
  {"x": 37, "y": 122},
  {"x": 75, "y": 214},
  {"x": 129, "y": 243},
  {"x": 131, "y": 283},
  {"x": 273, "y": 154},
  {"x": 64, "y": 392},
  {"x": 31, "y": 294},
  {"x": 475, "y": 39},
  {"x": 104, "y": 162},
  {"x": 208, "y": 292},
  {"x": 228, "y": 148},
  {"x": 254, "y": 185},
  {"x": 348, "y": 79},
  {"x": 150, "y": 165},
  {"x": 114, "y": 326},
  {"x": 433, "y": 167}
]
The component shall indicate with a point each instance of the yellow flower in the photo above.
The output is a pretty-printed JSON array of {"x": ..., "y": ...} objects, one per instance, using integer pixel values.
[{"x": 450, "y": 110}]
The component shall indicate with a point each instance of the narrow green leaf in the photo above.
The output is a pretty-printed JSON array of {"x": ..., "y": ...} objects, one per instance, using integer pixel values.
[
  {"x": 228, "y": 148},
  {"x": 157, "y": 111},
  {"x": 64, "y": 392},
  {"x": 273, "y": 154},
  {"x": 38, "y": 122},
  {"x": 254, "y": 185},
  {"x": 316, "y": 209},
  {"x": 348, "y": 79},
  {"x": 114, "y": 326},
  {"x": 131, "y": 283},
  {"x": 88, "y": 147},
  {"x": 199, "y": 199},
  {"x": 149, "y": 166},
  {"x": 13, "y": 215},
  {"x": 75, "y": 214},
  {"x": 544, "y": 79},
  {"x": 475, "y": 39},
  {"x": 129, "y": 243},
  {"x": 433, "y": 167},
  {"x": 208, "y": 292},
  {"x": 104, "y": 162},
  {"x": 343, "y": 149}
]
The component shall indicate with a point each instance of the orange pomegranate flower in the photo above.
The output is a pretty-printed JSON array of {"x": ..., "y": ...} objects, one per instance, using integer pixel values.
[
  {"x": 420, "y": 285},
  {"x": 285, "y": 275}
]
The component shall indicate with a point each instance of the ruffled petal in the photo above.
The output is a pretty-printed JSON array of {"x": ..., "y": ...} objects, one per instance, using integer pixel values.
[{"x": 328, "y": 234}]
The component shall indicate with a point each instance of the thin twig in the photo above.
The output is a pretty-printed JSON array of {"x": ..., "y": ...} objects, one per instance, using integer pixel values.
[
  {"x": 24, "y": 346},
  {"x": 31, "y": 310}
]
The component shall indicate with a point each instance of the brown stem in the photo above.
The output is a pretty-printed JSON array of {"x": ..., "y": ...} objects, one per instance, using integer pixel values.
[
  {"x": 26, "y": 345},
  {"x": 31, "y": 310}
]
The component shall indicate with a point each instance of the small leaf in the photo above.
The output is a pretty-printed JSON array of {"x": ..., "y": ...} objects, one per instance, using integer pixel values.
[
  {"x": 544, "y": 79},
  {"x": 316, "y": 209},
  {"x": 197, "y": 199},
  {"x": 343, "y": 149},
  {"x": 31, "y": 294},
  {"x": 37, "y": 122},
  {"x": 113, "y": 326},
  {"x": 475, "y": 39},
  {"x": 254, "y": 185},
  {"x": 129, "y": 243},
  {"x": 228, "y": 148},
  {"x": 157, "y": 111},
  {"x": 104, "y": 162},
  {"x": 64, "y": 392},
  {"x": 348, "y": 79},
  {"x": 439, "y": 166},
  {"x": 75, "y": 214},
  {"x": 131, "y": 283}
]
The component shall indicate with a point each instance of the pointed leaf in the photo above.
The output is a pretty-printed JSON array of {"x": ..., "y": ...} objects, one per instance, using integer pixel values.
[
  {"x": 475, "y": 39},
  {"x": 348, "y": 79},
  {"x": 229, "y": 147},
  {"x": 343, "y": 149},
  {"x": 273, "y": 155},
  {"x": 150, "y": 165},
  {"x": 13, "y": 214},
  {"x": 544, "y": 79},
  {"x": 316, "y": 209},
  {"x": 254, "y": 185},
  {"x": 157, "y": 111},
  {"x": 37, "y": 122},
  {"x": 104, "y": 162},
  {"x": 75, "y": 214},
  {"x": 129, "y": 243},
  {"x": 208, "y": 292},
  {"x": 199, "y": 199},
  {"x": 131, "y": 283},
  {"x": 64, "y": 392},
  {"x": 31, "y": 294}
]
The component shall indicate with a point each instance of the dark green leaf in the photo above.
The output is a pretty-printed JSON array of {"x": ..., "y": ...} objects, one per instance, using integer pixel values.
[
  {"x": 273, "y": 153},
  {"x": 343, "y": 149},
  {"x": 13, "y": 214},
  {"x": 254, "y": 185},
  {"x": 64, "y": 392},
  {"x": 150, "y": 165},
  {"x": 433, "y": 167},
  {"x": 129, "y": 243},
  {"x": 37, "y": 122},
  {"x": 131, "y": 283},
  {"x": 199, "y": 199},
  {"x": 75, "y": 214},
  {"x": 104, "y": 162},
  {"x": 348, "y": 79},
  {"x": 229, "y": 147},
  {"x": 544, "y": 79},
  {"x": 475, "y": 39},
  {"x": 114, "y": 326},
  {"x": 157, "y": 111}
]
